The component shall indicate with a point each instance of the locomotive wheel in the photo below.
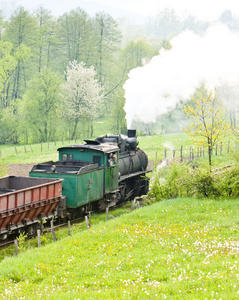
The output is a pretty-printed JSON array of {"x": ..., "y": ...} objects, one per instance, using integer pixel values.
[
  {"x": 137, "y": 186},
  {"x": 144, "y": 186}
]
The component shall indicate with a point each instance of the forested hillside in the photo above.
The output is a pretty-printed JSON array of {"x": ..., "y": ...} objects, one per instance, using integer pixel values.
[{"x": 40, "y": 96}]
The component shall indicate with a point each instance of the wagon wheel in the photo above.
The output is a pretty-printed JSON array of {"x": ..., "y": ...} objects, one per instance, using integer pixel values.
[{"x": 32, "y": 230}]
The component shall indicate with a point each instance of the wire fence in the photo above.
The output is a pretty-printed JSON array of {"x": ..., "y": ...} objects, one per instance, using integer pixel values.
[
  {"x": 193, "y": 152},
  {"x": 50, "y": 148}
]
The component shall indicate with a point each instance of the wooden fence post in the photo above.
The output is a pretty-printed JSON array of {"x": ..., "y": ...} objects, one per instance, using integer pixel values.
[
  {"x": 181, "y": 153},
  {"x": 39, "y": 237},
  {"x": 53, "y": 232},
  {"x": 107, "y": 213},
  {"x": 16, "y": 247},
  {"x": 69, "y": 227},
  {"x": 87, "y": 223},
  {"x": 133, "y": 204},
  {"x": 165, "y": 153},
  {"x": 89, "y": 219}
]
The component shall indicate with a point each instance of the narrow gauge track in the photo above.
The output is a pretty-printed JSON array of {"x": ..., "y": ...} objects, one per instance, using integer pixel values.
[{"x": 5, "y": 244}]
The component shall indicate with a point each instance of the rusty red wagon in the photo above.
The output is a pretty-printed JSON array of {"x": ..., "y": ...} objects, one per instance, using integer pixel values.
[{"x": 25, "y": 201}]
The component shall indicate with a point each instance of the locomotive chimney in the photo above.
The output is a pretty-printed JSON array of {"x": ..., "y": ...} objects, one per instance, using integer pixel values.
[{"x": 131, "y": 133}]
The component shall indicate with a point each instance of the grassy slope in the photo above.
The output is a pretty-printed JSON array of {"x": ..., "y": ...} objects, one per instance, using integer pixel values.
[
  {"x": 175, "y": 249},
  {"x": 150, "y": 144}
]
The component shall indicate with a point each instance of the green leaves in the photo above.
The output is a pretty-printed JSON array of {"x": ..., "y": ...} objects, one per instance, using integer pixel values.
[
  {"x": 40, "y": 104},
  {"x": 207, "y": 119}
]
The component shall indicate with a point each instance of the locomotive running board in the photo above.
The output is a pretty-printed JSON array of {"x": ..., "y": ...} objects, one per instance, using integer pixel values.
[{"x": 124, "y": 177}]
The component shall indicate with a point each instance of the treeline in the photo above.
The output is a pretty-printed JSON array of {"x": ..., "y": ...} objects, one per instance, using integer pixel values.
[
  {"x": 40, "y": 52},
  {"x": 35, "y": 52}
]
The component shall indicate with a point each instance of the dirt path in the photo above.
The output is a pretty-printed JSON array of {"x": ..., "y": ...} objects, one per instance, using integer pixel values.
[{"x": 19, "y": 170}]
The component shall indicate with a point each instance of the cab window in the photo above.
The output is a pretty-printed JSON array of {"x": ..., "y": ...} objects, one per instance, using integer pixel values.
[
  {"x": 97, "y": 159},
  {"x": 66, "y": 156},
  {"x": 112, "y": 159}
]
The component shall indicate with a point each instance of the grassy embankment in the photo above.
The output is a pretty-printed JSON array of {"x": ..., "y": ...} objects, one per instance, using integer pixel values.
[{"x": 174, "y": 249}]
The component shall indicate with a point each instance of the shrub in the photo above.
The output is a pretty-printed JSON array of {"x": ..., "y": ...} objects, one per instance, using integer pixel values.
[
  {"x": 190, "y": 179},
  {"x": 204, "y": 183},
  {"x": 228, "y": 181},
  {"x": 171, "y": 181}
]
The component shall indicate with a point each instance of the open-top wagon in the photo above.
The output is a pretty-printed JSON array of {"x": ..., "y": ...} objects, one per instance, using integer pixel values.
[{"x": 25, "y": 201}]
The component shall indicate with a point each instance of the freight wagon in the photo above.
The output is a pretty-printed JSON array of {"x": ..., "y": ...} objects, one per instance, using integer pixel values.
[{"x": 24, "y": 202}]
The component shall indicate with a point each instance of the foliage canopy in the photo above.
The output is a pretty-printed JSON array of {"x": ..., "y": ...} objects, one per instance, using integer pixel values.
[{"x": 208, "y": 123}]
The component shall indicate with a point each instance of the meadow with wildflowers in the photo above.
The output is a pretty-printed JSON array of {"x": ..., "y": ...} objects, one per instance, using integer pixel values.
[{"x": 182, "y": 248}]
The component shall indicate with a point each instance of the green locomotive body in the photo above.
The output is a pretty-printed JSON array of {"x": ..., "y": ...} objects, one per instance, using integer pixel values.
[
  {"x": 97, "y": 174},
  {"x": 90, "y": 174}
]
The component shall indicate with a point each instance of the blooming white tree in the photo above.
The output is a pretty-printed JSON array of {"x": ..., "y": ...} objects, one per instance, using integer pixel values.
[{"x": 82, "y": 96}]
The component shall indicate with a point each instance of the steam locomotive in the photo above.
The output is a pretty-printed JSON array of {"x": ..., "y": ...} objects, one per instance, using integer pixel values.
[
  {"x": 87, "y": 177},
  {"x": 98, "y": 173}
]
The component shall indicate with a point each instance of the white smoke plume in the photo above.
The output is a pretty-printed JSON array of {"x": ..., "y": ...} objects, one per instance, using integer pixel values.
[{"x": 174, "y": 75}]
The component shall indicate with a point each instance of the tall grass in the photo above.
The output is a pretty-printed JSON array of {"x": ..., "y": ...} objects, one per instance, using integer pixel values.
[{"x": 175, "y": 249}]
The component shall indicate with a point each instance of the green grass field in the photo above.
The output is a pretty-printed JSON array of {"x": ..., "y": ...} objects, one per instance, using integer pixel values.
[
  {"x": 155, "y": 147},
  {"x": 174, "y": 249}
]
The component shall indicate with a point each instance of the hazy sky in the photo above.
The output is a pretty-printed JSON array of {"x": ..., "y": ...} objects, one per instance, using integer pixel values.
[
  {"x": 203, "y": 9},
  {"x": 211, "y": 9}
]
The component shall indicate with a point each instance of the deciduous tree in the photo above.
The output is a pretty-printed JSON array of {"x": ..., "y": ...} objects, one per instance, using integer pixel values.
[
  {"x": 8, "y": 64},
  {"x": 21, "y": 32},
  {"x": 207, "y": 120},
  {"x": 81, "y": 94},
  {"x": 40, "y": 104},
  {"x": 107, "y": 39},
  {"x": 76, "y": 36},
  {"x": 46, "y": 37}
]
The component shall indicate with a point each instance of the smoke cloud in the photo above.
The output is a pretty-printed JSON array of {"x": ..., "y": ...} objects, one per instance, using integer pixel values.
[{"x": 174, "y": 75}]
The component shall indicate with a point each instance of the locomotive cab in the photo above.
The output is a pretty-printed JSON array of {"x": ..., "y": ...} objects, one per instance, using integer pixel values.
[{"x": 105, "y": 155}]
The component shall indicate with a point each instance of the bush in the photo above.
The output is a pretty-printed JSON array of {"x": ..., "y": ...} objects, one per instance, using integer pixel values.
[
  {"x": 228, "y": 181},
  {"x": 189, "y": 179},
  {"x": 171, "y": 181},
  {"x": 204, "y": 184}
]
